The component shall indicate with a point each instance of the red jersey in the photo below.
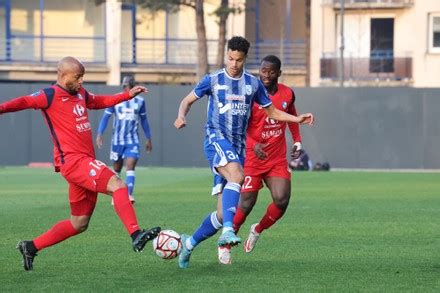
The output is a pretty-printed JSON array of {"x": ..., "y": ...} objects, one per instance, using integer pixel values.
[
  {"x": 66, "y": 117},
  {"x": 262, "y": 129}
]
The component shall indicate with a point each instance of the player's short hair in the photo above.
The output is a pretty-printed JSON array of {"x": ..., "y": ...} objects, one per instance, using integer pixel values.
[
  {"x": 240, "y": 44},
  {"x": 129, "y": 81},
  {"x": 274, "y": 60}
]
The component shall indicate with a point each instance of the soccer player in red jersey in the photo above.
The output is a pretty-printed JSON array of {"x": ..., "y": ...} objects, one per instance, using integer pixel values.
[
  {"x": 266, "y": 153},
  {"x": 64, "y": 107}
]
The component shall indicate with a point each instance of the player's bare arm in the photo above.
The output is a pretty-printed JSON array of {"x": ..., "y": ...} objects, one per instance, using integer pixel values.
[
  {"x": 276, "y": 114},
  {"x": 148, "y": 145},
  {"x": 99, "y": 141},
  {"x": 136, "y": 90},
  {"x": 184, "y": 108}
]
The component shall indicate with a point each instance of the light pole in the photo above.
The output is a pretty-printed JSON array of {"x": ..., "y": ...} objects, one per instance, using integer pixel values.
[{"x": 341, "y": 63}]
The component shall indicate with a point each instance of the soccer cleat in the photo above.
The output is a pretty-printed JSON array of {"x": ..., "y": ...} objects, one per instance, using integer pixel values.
[
  {"x": 185, "y": 253},
  {"x": 224, "y": 255},
  {"x": 228, "y": 238},
  {"x": 28, "y": 257},
  {"x": 250, "y": 242},
  {"x": 143, "y": 237}
]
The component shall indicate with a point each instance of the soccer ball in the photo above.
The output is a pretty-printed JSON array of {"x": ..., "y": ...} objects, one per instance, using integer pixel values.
[{"x": 167, "y": 244}]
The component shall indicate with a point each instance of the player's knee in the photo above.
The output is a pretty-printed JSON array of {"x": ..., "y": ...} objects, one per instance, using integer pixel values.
[
  {"x": 116, "y": 183},
  {"x": 237, "y": 178},
  {"x": 80, "y": 223},
  {"x": 282, "y": 202}
]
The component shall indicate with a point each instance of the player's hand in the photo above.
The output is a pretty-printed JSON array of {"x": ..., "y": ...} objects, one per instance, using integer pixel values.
[
  {"x": 136, "y": 90},
  {"x": 180, "y": 122},
  {"x": 307, "y": 118},
  {"x": 99, "y": 141},
  {"x": 259, "y": 151},
  {"x": 148, "y": 146},
  {"x": 296, "y": 151}
]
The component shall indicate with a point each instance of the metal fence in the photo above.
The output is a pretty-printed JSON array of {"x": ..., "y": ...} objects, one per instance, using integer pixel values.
[
  {"x": 169, "y": 51},
  {"x": 369, "y": 2},
  {"x": 31, "y": 48},
  {"x": 386, "y": 68}
]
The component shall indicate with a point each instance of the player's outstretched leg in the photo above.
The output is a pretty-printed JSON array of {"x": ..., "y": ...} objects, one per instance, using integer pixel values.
[
  {"x": 252, "y": 239},
  {"x": 231, "y": 194},
  {"x": 28, "y": 251},
  {"x": 141, "y": 237},
  {"x": 185, "y": 254}
]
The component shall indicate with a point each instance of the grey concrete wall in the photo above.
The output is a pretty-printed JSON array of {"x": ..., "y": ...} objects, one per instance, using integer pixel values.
[{"x": 355, "y": 127}]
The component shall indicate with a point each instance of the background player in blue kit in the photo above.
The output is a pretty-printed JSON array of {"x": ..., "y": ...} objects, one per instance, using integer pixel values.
[
  {"x": 125, "y": 137},
  {"x": 231, "y": 92}
]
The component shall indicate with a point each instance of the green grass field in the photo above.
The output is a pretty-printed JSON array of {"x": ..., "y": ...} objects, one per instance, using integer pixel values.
[{"x": 344, "y": 231}]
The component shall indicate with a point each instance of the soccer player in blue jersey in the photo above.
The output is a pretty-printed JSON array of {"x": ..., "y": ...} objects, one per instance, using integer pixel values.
[
  {"x": 125, "y": 137},
  {"x": 231, "y": 92}
]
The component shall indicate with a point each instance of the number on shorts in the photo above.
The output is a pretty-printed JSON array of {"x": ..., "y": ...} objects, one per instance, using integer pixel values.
[
  {"x": 97, "y": 164},
  {"x": 231, "y": 155},
  {"x": 247, "y": 182}
]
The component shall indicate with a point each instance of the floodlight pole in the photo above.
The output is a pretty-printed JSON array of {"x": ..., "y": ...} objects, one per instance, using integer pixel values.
[{"x": 341, "y": 63}]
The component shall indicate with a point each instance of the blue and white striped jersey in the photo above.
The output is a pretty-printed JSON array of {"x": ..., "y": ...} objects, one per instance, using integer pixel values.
[
  {"x": 126, "y": 121},
  {"x": 229, "y": 105}
]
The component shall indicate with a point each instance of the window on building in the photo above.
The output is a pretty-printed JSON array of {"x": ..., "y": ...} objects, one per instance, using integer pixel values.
[{"x": 434, "y": 33}]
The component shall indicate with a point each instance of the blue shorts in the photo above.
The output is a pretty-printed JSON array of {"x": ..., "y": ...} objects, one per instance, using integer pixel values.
[
  {"x": 219, "y": 153},
  {"x": 119, "y": 152}
]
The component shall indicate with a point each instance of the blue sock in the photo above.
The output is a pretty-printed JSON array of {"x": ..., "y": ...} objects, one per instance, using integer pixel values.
[
  {"x": 130, "y": 178},
  {"x": 231, "y": 195},
  {"x": 209, "y": 227}
]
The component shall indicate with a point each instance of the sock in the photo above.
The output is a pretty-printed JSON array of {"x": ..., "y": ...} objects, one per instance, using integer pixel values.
[
  {"x": 209, "y": 227},
  {"x": 125, "y": 211},
  {"x": 59, "y": 232},
  {"x": 231, "y": 195},
  {"x": 129, "y": 179},
  {"x": 273, "y": 213},
  {"x": 239, "y": 219}
]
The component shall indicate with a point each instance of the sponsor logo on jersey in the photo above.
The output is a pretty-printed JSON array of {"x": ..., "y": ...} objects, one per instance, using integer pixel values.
[
  {"x": 271, "y": 133},
  {"x": 92, "y": 173},
  {"x": 234, "y": 108},
  {"x": 79, "y": 96},
  {"x": 79, "y": 110},
  {"x": 235, "y": 98},
  {"x": 81, "y": 127},
  {"x": 219, "y": 87},
  {"x": 284, "y": 105}
]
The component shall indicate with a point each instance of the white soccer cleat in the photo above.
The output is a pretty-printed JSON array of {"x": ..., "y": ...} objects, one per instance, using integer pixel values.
[
  {"x": 224, "y": 255},
  {"x": 252, "y": 239}
]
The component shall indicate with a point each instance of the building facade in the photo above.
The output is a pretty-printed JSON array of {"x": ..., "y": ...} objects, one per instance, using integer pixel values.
[
  {"x": 119, "y": 37},
  {"x": 386, "y": 43}
]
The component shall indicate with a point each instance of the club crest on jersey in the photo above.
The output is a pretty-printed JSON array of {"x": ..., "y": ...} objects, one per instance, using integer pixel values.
[
  {"x": 248, "y": 89},
  {"x": 284, "y": 105},
  {"x": 78, "y": 110}
]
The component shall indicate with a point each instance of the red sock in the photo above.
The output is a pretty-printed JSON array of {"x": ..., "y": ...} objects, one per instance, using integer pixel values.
[
  {"x": 239, "y": 219},
  {"x": 125, "y": 211},
  {"x": 59, "y": 232},
  {"x": 273, "y": 213}
]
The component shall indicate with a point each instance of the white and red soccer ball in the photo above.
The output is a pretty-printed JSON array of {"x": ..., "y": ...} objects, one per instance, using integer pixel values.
[{"x": 167, "y": 244}]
